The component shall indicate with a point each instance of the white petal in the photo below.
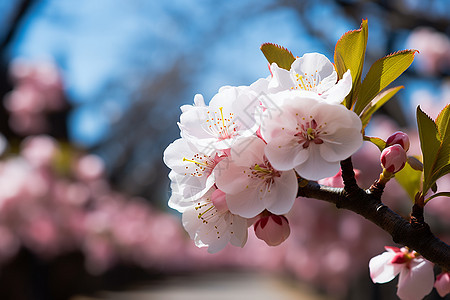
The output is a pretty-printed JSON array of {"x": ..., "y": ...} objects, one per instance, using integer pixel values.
[
  {"x": 247, "y": 203},
  {"x": 417, "y": 281},
  {"x": 190, "y": 121},
  {"x": 239, "y": 231},
  {"x": 341, "y": 144},
  {"x": 282, "y": 193},
  {"x": 247, "y": 151},
  {"x": 198, "y": 100},
  {"x": 231, "y": 178},
  {"x": 381, "y": 270},
  {"x": 281, "y": 79},
  {"x": 284, "y": 153},
  {"x": 338, "y": 92},
  {"x": 315, "y": 167},
  {"x": 315, "y": 63}
]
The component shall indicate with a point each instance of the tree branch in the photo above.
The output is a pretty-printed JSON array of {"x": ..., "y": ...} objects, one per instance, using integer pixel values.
[{"x": 367, "y": 203}]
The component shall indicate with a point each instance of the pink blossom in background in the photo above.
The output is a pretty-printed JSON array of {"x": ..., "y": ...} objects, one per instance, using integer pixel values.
[
  {"x": 38, "y": 90},
  {"x": 434, "y": 48}
]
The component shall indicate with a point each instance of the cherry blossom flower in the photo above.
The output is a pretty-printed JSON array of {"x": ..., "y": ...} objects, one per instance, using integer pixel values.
[
  {"x": 416, "y": 273},
  {"x": 272, "y": 229},
  {"x": 191, "y": 170},
  {"x": 442, "y": 284},
  {"x": 311, "y": 72},
  {"x": 309, "y": 134},
  {"x": 230, "y": 114},
  {"x": 210, "y": 224},
  {"x": 252, "y": 184}
]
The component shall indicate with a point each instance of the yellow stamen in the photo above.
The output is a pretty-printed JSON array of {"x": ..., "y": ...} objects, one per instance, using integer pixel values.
[
  {"x": 200, "y": 215},
  {"x": 221, "y": 114},
  {"x": 195, "y": 162},
  {"x": 258, "y": 168}
]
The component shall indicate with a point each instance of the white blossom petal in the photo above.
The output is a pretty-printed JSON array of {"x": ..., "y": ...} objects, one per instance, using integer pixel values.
[
  {"x": 316, "y": 167},
  {"x": 284, "y": 188},
  {"x": 416, "y": 281},
  {"x": 211, "y": 228},
  {"x": 381, "y": 269},
  {"x": 317, "y": 72},
  {"x": 339, "y": 91}
]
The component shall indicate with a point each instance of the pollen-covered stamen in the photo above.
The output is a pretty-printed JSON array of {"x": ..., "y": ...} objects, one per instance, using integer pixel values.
[
  {"x": 307, "y": 82},
  {"x": 210, "y": 215},
  {"x": 221, "y": 124},
  {"x": 309, "y": 131},
  {"x": 201, "y": 165},
  {"x": 264, "y": 172}
]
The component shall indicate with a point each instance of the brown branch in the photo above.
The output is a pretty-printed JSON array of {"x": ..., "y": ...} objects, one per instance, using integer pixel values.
[{"x": 368, "y": 204}]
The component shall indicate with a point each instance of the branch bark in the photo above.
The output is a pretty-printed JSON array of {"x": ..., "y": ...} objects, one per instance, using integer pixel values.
[{"x": 367, "y": 203}]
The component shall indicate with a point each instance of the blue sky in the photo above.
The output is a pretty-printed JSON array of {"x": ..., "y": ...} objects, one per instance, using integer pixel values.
[{"x": 108, "y": 48}]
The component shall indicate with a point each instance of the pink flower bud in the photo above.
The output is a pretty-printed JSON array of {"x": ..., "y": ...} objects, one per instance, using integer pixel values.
[
  {"x": 393, "y": 158},
  {"x": 400, "y": 138},
  {"x": 442, "y": 284},
  {"x": 272, "y": 229}
]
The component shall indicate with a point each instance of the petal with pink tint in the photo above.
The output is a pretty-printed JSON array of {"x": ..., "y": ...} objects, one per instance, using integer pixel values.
[
  {"x": 416, "y": 281},
  {"x": 442, "y": 284},
  {"x": 381, "y": 270}
]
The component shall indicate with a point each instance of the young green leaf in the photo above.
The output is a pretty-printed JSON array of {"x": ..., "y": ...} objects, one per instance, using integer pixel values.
[
  {"x": 381, "y": 144},
  {"x": 277, "y": 54},
  {"x": 409, "y": 179},
  {"x": 381, "y": 74},
  {"x": 349, "y": 54},
  {"x": 376, "y": 103},
  {"x": 430, "y": 144},
  {"x": 443, "y": 120},
  {"x": 442, "y": 164}
]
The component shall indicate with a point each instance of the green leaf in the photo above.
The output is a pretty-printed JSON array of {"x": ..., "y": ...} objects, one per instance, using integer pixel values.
[
  {"x": 430, "y": 144},
  {"x": 409, "y": 179},
  {"x": 442, "y": 164},
  {"x": 349, "y": 55},
  {"x": 445, "y": 194},
  {"x": 443, "y": 120},
  {"x": 277, "y": 54},
  {"x": 440, "y": 172},
  {"x": 376, "y": 103},
  {"x": 381, "y": 144},
  {"x": 381, "y": 74}
]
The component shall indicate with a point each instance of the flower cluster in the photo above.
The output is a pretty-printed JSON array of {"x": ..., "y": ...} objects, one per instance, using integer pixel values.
[
  {"x": 239, "y": 158},
  {"x": 416, "y": 278}
]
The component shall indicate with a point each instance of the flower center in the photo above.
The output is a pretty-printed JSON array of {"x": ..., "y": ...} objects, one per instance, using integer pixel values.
[
  {"x": 309, "y": 131},
  {"x": 265, "y": 172},
  {"x": 404, "y": 256},
  {"x": 221, "y": 125},
  {"x": 307, "y": 82},
  {"x": 202, "y": 164}
]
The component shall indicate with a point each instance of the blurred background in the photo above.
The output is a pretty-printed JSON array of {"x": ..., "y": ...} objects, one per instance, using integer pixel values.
[{"x": 90, "y": 94}]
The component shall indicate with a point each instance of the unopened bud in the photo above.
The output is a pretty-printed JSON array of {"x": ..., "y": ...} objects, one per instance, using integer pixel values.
[
  {"x": 272, "y": 229},
  {"x": 399, "y": 138},
  {"x": 393, "y": 158}
]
